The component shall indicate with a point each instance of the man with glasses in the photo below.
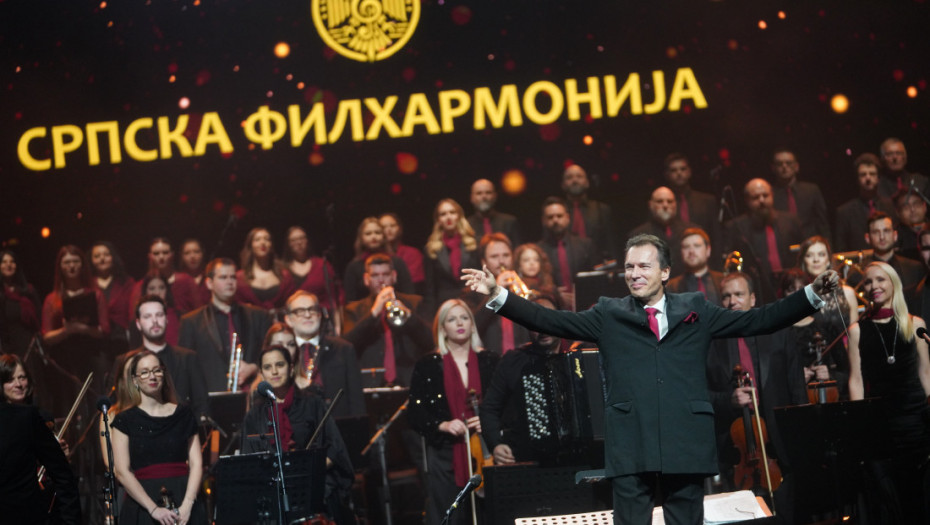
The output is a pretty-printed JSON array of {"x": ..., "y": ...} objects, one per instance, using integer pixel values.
[
  {"x": 385, "y": 328},
  {"x": 208, "y": 330},
  {"x": 328, "y": 362},
  {"x": 182, "y": 364},
  {"x": 912, "y": 217}
]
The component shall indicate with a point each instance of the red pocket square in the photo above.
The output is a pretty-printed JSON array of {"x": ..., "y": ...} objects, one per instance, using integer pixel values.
[{"x": 692, "y": 318}]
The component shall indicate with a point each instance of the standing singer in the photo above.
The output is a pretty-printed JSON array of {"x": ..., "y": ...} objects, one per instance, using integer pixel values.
[{"x": 659, "y": 419}]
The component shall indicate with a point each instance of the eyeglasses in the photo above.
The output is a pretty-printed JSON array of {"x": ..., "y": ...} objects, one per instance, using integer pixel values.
[
  {"x": 313, "y": 311},
  {"x": 145, "y": 374}
]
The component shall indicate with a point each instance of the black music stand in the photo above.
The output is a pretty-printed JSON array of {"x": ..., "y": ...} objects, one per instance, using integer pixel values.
[
  {"x": 246, "y": 492},
  {"x": 527, "y": 490},
  {"x": 826, "y": 446},
  {"x": 228, "y": 411}
]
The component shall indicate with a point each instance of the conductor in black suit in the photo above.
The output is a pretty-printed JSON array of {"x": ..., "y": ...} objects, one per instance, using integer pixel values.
[
  {"x": 208, "y": 330},
  {"x": 659, "y": 420}
]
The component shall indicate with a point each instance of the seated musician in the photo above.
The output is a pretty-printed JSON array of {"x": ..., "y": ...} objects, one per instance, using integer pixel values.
[
  {"x": 519, "y": 416},
  {"x": 298, "y": 414},
  {"x": 773, "y": 365}
]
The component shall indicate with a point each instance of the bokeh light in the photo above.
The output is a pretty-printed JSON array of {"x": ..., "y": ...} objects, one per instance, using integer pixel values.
[
  {"x": 46, "y": 232},
  {"x": 762, "y": 24},
  {"x": 184, "y": 103},
  {"x": 282, "y": 50},
  {"x": 588, "y": 140},
  {"x": 782, "y": 15},
  {"x": 839, "y": 103},
  {"x": 513, "y": 182},
  {"x": 406, "y": 163},
  {"x": 912, "y": 91}
]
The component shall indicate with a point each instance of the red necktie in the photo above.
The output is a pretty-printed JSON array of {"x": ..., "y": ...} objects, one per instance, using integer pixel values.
[
  {"x": 390, "y": 368},
  {"x": 871, "y": 206},
  {"x": 683, "y": 208},
  {"x": 792, "y": 205},
  {"x": 486, "y": 222},
  {"x": 507, "y": 343},
  {"x": 653, "y": 322},
  {"x": 564, "y": 269},
  {"x": 745, "y": 358},
  {"x": 668, "y": 232},
  {"x": 774, "y": 260},
  {"x": 701, "y": 287},
  {"x": 578, "y": 221}
]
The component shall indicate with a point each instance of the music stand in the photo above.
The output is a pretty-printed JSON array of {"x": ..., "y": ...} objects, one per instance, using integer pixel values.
[
  {"x": 826, "y": 446},
  {"x": 228, "y": 411},
  {"x": 246, "y": 491}
]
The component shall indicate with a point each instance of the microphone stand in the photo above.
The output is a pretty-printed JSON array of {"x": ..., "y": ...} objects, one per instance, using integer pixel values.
[
  {"x": 919, "y": 193},
  {"x": 279, "y": 455},
  {"x": 109, "y": 490},
  {"x": 473, "y": 482},
  {"x": 381, "y": 440}
]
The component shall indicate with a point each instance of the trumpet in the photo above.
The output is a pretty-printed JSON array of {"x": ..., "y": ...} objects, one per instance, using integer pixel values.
[
  {"x": 235, "y": 361},
  {"x": 518, "y": 286},
  {"x": 396, "y": 314},
  {"x": 733, "y": 262}
]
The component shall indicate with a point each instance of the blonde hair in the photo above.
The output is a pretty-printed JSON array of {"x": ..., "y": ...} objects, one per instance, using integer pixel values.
[
  {"x": 434, "y": 244},
  {"x": 898, "y": 304},
  {"x": 360, "y": 248},
  {"x": 439, "y": 333}
]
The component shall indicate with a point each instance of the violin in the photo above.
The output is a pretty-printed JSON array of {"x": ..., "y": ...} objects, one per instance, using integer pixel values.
[
  {"x": 478, "y": 450},
  {"x": 820, "y": 392},
  {"x": 755, "y": 470}
]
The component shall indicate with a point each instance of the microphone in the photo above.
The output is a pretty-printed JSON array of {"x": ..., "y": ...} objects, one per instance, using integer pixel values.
[
  {"x": 103, "y": 404},
  {"x": 472, "y": 484},
  {"x": 264, "y": 388},
  {"x": 723, "y": 202}
]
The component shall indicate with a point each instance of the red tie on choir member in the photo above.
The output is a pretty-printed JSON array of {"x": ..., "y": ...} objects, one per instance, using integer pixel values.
[
  {"x": 564, "y": 269},
  {"x": 745, "y": 358},
  {"x": 792, "y": 205},
  {"x": 774, "y": 259},
  {"x": 390, "y": 368},
  {"x": 578, "y": 221},
  {"x": 683, "y": 208}
]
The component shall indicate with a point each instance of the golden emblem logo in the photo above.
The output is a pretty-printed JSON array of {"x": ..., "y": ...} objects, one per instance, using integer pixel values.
[{"x": 365, "y": 30}]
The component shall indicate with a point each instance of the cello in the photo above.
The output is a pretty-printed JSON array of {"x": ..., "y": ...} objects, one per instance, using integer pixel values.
[
  {"x": 755, "y": 469},
  {"x": 820, "y": 392}
]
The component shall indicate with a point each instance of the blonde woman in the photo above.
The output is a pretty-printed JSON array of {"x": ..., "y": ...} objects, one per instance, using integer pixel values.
[
  {"x": 440, "y": 409},
  {"x": 450, "y": 247}
]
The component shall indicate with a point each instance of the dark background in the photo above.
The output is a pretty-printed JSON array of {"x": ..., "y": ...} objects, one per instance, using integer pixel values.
[{"x": 764, "y": 88}]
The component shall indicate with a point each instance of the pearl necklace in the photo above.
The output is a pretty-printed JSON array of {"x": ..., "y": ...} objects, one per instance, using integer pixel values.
[{"x": 889, "y": 358}]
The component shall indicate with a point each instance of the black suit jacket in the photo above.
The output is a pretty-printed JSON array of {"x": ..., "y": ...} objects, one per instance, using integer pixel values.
[
  {"x": 186, "y": 375},
  {"x": 581, "y": 253},
  {"x": 199, "y": 333},
  {"x": 888, "y": 183},
  {"x": 659, "y": 416},
  {"x": 337, "y": 365},
  {"x": 500, "y": 222},
  {"x": 918, "y": 299},
  {"x": 703, "y": 210},
  {"x": 598, "y": 225},
  {"x": 687, "y": 282},
  {"x": 780, "y": 378},
  {"x": 812, "y": 210},
  {"x": 492, "y": 334},
  {"x": 749, "y": 238},
  {"x": 852, "y": 222},
  {"x": 25, "y": 441},
  {"x": 441, "y": 285},
  {"x": 411, "y": 341},
  {"x": 910, "y": 271}
]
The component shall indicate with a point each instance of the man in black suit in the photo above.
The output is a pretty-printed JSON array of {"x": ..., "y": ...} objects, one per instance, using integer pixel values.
[
  {"x": 799, "y": 197},
  {"x": 918, "y": 298},
  {"x": 664, "y": 222},
  {"x": 334, "y": 363},
  {"x": 26, "y": 442},
  {"x": 912, "y": 218},
  {"x": 486, "y": 219},
  {"x": 659, "y": 420},
  {"x": 208, "y": 330},
  {"x": 589, "y": 218},
  {"x": 694, "y": 206},
  {"x": 697, "y": 277},
  {"x": 182, "y": 363},
  {"x": 882, "y": 238},
  {"x": 894, "y": 173},
  {"x": 568, "y": 252},
  {"x": 498, "y": 334},
  {"x": 764, "y": 237},
  {"x": 377, "y": 338},
  {"x": 852, "y": 216},
  {"x": 772, "y": 362}
]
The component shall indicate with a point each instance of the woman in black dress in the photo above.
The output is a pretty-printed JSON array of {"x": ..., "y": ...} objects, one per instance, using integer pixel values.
[
  {"x": 451, "y": 246},
  {"x": 439, "y": 407},
  {"x": 888, "y": 362},
  {"x": 298, "y": 412},
  {"x": 155, "y": 445}
]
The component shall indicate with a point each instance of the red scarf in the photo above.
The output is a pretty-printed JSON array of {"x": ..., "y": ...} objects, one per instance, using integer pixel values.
[
  {"x": 27, "y": 310},
  {"x": 882, "y": 313},
  {"x": 454, "y": 244},
  {"x": 284, "y": 422},
  {"x": 456, "y": 397}
]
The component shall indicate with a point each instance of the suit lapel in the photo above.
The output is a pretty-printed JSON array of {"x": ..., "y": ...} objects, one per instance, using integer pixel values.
[
  {"x": 211, "y": 329},
  {"x": 676, "y": 310}
]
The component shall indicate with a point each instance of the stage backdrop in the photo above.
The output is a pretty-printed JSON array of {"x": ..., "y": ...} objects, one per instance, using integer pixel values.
[{"x": 124, "y": 120}]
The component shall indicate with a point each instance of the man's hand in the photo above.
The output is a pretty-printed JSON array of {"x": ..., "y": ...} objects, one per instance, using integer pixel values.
[
  {"x": 503, "y": 455},
  {"x": 741, "y": 397},
  {"x": 385, "y": 295},
  {"x": 826, "y": 283},
  {"x": 481, "y": 281},
  {"x": 507, "y": 278}
]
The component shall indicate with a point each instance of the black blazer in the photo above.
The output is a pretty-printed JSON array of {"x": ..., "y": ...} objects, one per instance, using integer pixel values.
[
  {"x": 411, "y": 341},
  {"x": 441, "y": 285},
  {"x": 687, "y": 282},
  {"x": 658, "y": 413},
  {"x": 780, "y": 377},
  {"x": 25, "y": 441},
  {"x": 199, "y": 333},
  {"x": 812, "y": 210},
  {"x": 852, "y": 223},
  {"x": 500, "y": 222},
  {"x": 338, "y": 367},
  {"x": 749, "y": 238},
  {"x": 580, "y": 251},
  {"x": 598, "y": 225},
  {"x": 703, "y": 210}
]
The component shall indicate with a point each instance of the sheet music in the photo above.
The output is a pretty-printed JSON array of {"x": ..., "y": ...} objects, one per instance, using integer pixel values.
[{"x": 732, "y": 506}]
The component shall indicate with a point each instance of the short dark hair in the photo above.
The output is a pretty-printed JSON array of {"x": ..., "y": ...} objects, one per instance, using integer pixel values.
[
  {"x": 901, "y": 194},
  {"x": 732, "y": 276},
  {"x": 219, "y": 261},
  {"x": 553, "y": 200},
  {"x": 493, "y": 237},
  {"x": 672, "y": 157},
  {"x": 150, "y": 298},
  {"x": 870, "y": 159},
  {"x": 378, "y": 258},
  {"x": 877, "y": 216},
  {"x": 665, "y": 255}
]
